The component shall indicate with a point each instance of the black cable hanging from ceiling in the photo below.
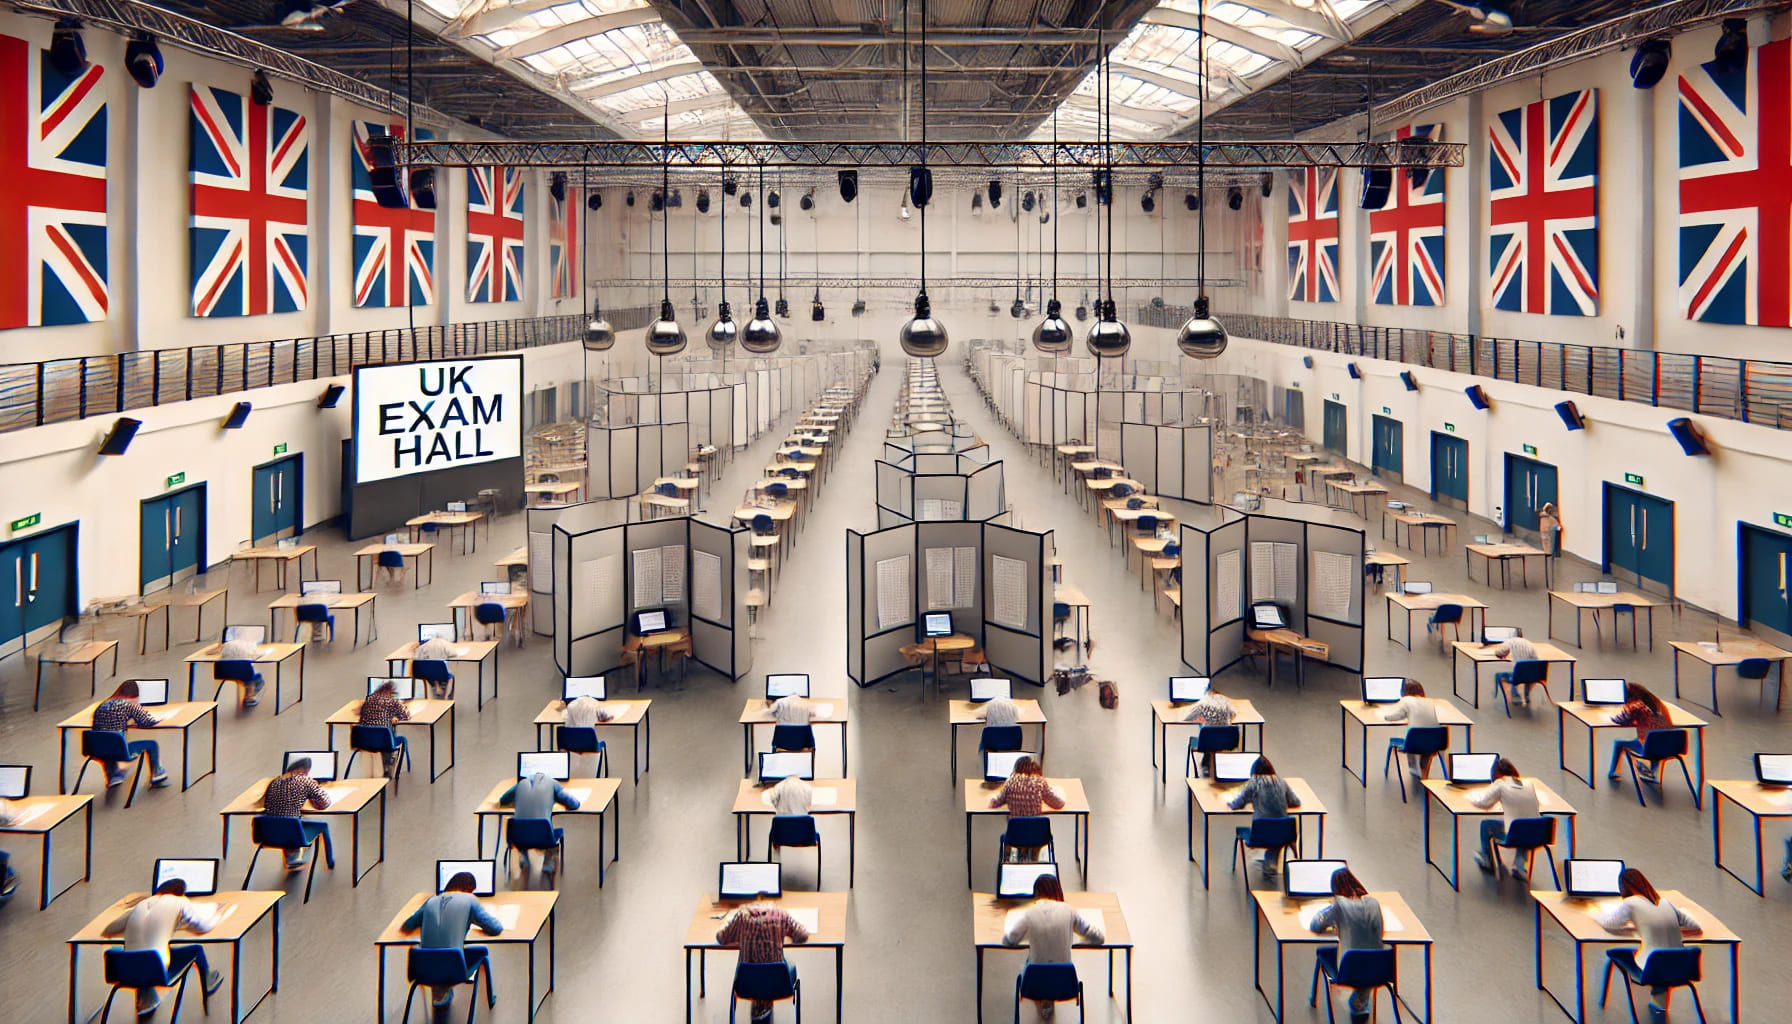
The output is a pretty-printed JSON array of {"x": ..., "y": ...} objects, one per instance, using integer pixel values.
[
  {"x": 664, "y": 336},
  {"x": 723, "y": 332},
  {"x": 762, "y": 335},
  {"x": 1052, "y": 335},
  {"x": 1201, "y": 336},
  {"x": 923, "y": 336},
  {"x": 1107, "y": 336}
]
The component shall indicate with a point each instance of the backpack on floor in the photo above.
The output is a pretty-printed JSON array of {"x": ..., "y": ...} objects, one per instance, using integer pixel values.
[{"x": 1109, "y": 694}]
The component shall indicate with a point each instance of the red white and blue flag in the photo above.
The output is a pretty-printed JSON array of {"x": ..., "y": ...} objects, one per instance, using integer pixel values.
[
  {"x": 1406, "y": 236},
  {"x": 251, "y": 169},
  {"x": 1736, "y": 191},
  {"x": 52, "y": 191},
  {"x": 395, "y": 249},
  {"x": 1543, "y": 223},
  {"x": 563, "y": 243},
  {"x": 494, "y": 234},
  {"x": 1313, "y": 234}
]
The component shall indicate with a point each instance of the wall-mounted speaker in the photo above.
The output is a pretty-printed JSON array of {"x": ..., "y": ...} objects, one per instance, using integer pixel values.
[
  {"x": 238, "y": 416},
  {"x": 330, "y": 397},
  {"x": 1356, "y": 372},
  {"x": 1411, "y": 382},
  {"x": 1377, "y": 182},
  {"x": 1691, "y": 438},
  {"x": 383, "y": 172},
  {"x": 1477, "y": 395},
  {"x": 1570, "y": 416},
  {"x": 1306, "y": 361},
  {"x": 423, "y": 187},
  {"x": 119, "y": 437}
]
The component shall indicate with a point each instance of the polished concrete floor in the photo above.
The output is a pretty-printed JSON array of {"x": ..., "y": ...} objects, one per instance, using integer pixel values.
[{"x": 908, "y": 956}]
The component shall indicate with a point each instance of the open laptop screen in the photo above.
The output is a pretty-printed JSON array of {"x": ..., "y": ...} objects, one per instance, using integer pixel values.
[
  {"x": 1308, "y": 878},
  {"x": 583, "y": 686},
  {"x": 555, "y": 764},
  {"x": 484, "y": 872},
  {"x": 1605, "y": 587},
  {"x": 750, "y": 880},
  {"x": 989, "y": 688},
  {"x": 1589, "y": 878},
  {"x": 427, "y": 631},
  {"x": 1233, "y": 767},
  {"x": 1015, "y": 881},
  {"x": 1471, "y": 769},
  {"x": 1498, "y": 634},
  {"x": 1382, "y": 689},
  {"x": 786, "y": 684},
  {"x": 936, "y": 624},
  {"x": 151, "y": 692},
  {"x": 457, "y": 506},
  {"x": 1187, "y": 689},
  {"x": 650, "y": 622},
  {"x": 323, "y": 763},
  {"x": 403, "y": 687},
  {"x": 321, "y": 587},
  {"x": 1602, "y": 691},
  {"x": 494, "y": 588},
  {"x": 1774, "y": 769},
  {"x": 781, "y": 764},
  {"x": 999, "y": 764},
  {"x": 201, "y": 875},
  {"x": 15, "y": 781},
  {"x": 256, "y": 635},
  {"x": 1416, "y": 587},
  {"x": 1267, "y": 616}
]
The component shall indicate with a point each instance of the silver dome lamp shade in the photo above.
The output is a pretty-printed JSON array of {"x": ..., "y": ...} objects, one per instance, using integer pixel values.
[
  {"x": 762, "y": 335},
  {"x": 599, "y": 335},
  {"x": 1053, "y": 335},
  {"x": 924, "y": 337},
  {"x": 1108, "y": 337},
  {"x": 1202, "y": 337},
  {"x": 723, "y": 332},
  {"x": 664, "y": 336}
]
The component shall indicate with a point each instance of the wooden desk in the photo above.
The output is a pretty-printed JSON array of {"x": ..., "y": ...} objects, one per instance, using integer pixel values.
[
  {"x": 1072, "y": 595},
  {"x": 1425, "y": 522},
  {"x": 989, "y": 922},
  {"x": 1575, "y": 918},
  {"x": 515, "y": 605},
  {"x": 1595, "y": 717},
  {"x": 830, "y": 913},
  {"x": 1352, "y": 492},
  {"x": 1410, "y": 603},
  {"x": 243, "y": 911},
  {"x": 1733, "y": 651},
  {"x": 1583, "y": 603},
  {"x": 595, "y": 796},
  {"x": 1165, "y": 716},
  {"x": 654, "y": 506},
  {"x": 88, "y": 653},
  {"x": 1076, "y": 807},
  {"x": 758, "y": 711},
  {"x": 517, "y": 558},
  {"x": 666, "y": 640},
  {"x": 830, "y": 796},
  {"x": 630, "y": 715},
  {"x": 963, "y": 713},
  {"x": 351, "y": 602},
  {"x": 474, "y": 652},
  {"x": 1756, "y": 801},
  {"x": 281, "y": 557},
  {"x": 1281, "y": 918},
  {"x": 1287, "y": 641},
  {"x": 1455, "y": 800},
  {"x": 425, "y": 714},
  {"x": 348, "y": 798},
  {"x": 1212, "y": 799},
  {"x": 165, "y": 602},
  {"x": 1368, "y": 716},
  {"x": 533, "y": 912},
  {"x": 1148, "y": 548},
  {"x": 1504, "y": 554},
  {"x": 367, "y": 558},
  {"x": 1479, "y": 655},
  {"x": 1387, "y": 560},
  {"x": 276, "y": 655},
  {"x": 466, "y": 522},
  {"x": 40, "y": 816},
  {"x": 180, "y": 716},
  {"x": 557, "y": 492}
]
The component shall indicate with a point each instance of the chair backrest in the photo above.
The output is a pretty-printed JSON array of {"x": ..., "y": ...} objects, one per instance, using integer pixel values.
[
  {"x": 1365, "y": 968},
  {"x": 530, "y": 833},
  {"x": 1000, "y": 737},
  {"x": 280, "y": 833},
  {"x": 312, "y": 612},
  {"x": 790, "y": 473},
  {"x": 1427, "y": 739},
  {"x": 793, "y": 737},
  {"x": 136, "y": 968},
  {"x": 1530, "y": 833},
  {"x": 1057, "y": 982},
  {"x": 1664, "y": 743},
  {"x": 762, "y": 523},
  {"x": 104, "y": 745},
  {"x": 1447, "y": 613},
  {"x": 441, "y": 968},
  {"x": 794, "y": 830},
  {"x": 1530, "y": 670},
  {"x": 1147, "y": 524},
  {"x": 1211, "y": 739},
  {"x": 377, "y": 739},
  {"x": 430, "y": 670},
  {"x": 1060, "y": 611},
  {"x": 577, "y": 739},
  {"x": 670, "y": 490},
  {"x": 488, "y": 613},
  {"x": 1028, "y": 832},
  {"x": 237, "y": 671},
  {"x": 390, "y": 560},
  {"x": 778, "y": 490},
  {"x": 1172, "y": 550},
  {"x": 1672, "y": 967},
  {"x": 763, "y": 981},
  {"x": 1753, "y": 668},
  {"x": 1267, "y": 833}
]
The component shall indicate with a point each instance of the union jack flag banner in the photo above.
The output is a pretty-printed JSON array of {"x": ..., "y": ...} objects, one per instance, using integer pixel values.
[
  {"x": 1406, "y": 237},
  {"x": 251, "y": 170},
  {"x": 494, "y": 234},
  {"x": 1313, "y": 234},
  {"x": 1543, "y": 224},
  {"x": 563, "y": 243},
  {"x": 1736, "y": 191},
  {"x": 53, "y": 199},
  {"x": 393, "y": 247}
]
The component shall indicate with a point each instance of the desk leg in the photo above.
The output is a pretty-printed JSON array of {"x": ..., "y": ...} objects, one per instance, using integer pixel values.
[
  {"x": 852, "y": 848},
  {"x": 979, "y": 984},
  {"x": 687, "y": 985},
  {"x": 62, "y": 762},
  {"x": 746, "y": 749},
  {"x": 968, "y": 818},
  {"x": 839, "y": 983},
  {"x": 600, "y": 845}
]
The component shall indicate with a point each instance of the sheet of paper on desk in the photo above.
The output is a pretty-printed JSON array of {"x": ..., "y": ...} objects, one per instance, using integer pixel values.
[
  {"x": 808, "y": 917},
  {"x": 579, "y": 793},
  {"x": 1390, "y": 921},
  {"x": 507, "y": 915},
  {"x": 1309, "y": 911},
  {"x": 824, "y": 710},
  {"x": 825, "y": 796},
  {"x": 30, "y": 814},
  {"x": 1708, "y": 645},
  {"x": 1094, "y": 917}
]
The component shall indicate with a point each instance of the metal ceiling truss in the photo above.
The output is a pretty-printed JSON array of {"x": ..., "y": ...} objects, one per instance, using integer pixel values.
[
  {"x": 1066, "y": 282},
  {"x": 1025, "y": 155}
]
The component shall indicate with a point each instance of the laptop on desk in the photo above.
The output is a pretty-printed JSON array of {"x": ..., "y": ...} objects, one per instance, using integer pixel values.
[
  {"x": 257, "y": 635},
  {"x": 936, "y": 624},
  {"x": 1774, "y": 770},
  {"x": 749, "y": 880},
  {"x": 1602, "y": 692},
  {"x": 323, "y": 763},
  {"x": 1188, "y": 689},
  {"x": 152, "y": 692},
  {"x": 1472, "y": 769},
  {"x": 1309, "y": 879},
  {"x": 457, "y": 507},
  {"x": 999, "y": 764},
  {"x": 786, "y": 684},
  {"x": 1605, "y": 587},
  {"x": 988, "y": 688},
  {"x": 1230, "y": 769},
  {"x": 777, "y": 765},
  {"x": 403, "y": 687},
  {"x": 15, "y": 781},
  {"x": 1015, "y": 881},
  {"x": 1498, "y": 634},
  {"x": 320, "y": 587},
  {"x": 583, "y": 686},
  {"x": 651, "y": 621},
  {"x": 1415, "y": 587},
  {"x": 555, "y": 764},
  {"x": 1267, "y": 615},
  {"x": 1586, "y": 879},
  {"x": 484, "y": 872},
  {"x": 1382, "y": 689},
  {"x": 200, "y": 874}
]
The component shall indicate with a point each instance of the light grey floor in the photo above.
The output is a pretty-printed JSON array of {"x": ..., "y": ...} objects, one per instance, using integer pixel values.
[{"x": 908, "y": 956}]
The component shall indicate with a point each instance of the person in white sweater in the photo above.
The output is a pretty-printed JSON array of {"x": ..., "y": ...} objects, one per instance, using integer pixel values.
[
  {"x": 1418, "y": 712},
  {"x": 998, "y": 712},
  {"x": 1049, "y": 927},
  {"x": 583, "y": 713},
  {"x": 149, "y": 924},
  {"x": 1516, "y": 799},
  {"x": 792, "y": 796},
  {"x": 1658, "y": 923}
]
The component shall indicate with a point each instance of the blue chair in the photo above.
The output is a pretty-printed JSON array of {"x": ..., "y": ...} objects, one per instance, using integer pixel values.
[
  {"x": 790, "y": 473},
  {"x": 1209, "y": 740},
  {"x": 793, "y": 737},
  {"x": 1665, "y": 968},
  {"x": 763, "y": 525},
  {"x": 1172, "y": 550},
  {"x": 489, "y": 613},
  {"x": 1527, "y": 673},
  {"x": 1056, "y": 983},
  {"x": 538, "y": 834},
  {"x": 241, "y": 672},
  {"x": 1446, "y": 615},
  {"x": 1754, "y": 669},
  {"x": 796, "y": 830},
  {"x": 1425, "y": 741},
  {"x": 1000, "y": 737},
  {"x": 433, "y": 672},
  {"x": 768, "y": 983},
  {"x": 1122, "y": 491},
  {"x": 1527, "y": 836},
  {"x": 1147, "y": 525},
  {"x": 141, "y": 969},
  {"x": 310, "y": 615},
  {"x": 1356, "y": 969},
  {"x": 777, "y": 490},
  {"x": 289, "y": 835},
  {"x": 103, "y": 746},
  {"x": 582, "y": 739},
  {"x": 449, "y": 968},
  {"x": 669, "y": 490},
  {"x": 1027, "y": 834},
  {"x": 381, "y": 740},
  {"x": 1277, "y": 834},
  {"x": 390, "y": 560},
  {"x": 1060, "y": 616},
  {"x": 1617, "y": 610},
  {"x": 1659, "y": 746}
]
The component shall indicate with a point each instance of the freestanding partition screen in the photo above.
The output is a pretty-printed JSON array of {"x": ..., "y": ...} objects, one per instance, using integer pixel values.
[{"x": 1175, "y": 462}]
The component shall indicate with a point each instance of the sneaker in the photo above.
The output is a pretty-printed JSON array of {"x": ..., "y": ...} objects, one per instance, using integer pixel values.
[
  {"x": 1518, "y": 874},
  {"x": 10, "y": 883},
  {"x": 159, "y": 780},
  {"x": 1483, "y": 863},
  {"x": 1648, "y": 775},
  {"x": 1785, "y": 873},
  {"x": 295, "y": 863},
  {"x": 762, "y": 1016},
  {"x": 446, "y": 999},
  {"x": 213, "y": 982},
  {"x": 114, "y": 781}
]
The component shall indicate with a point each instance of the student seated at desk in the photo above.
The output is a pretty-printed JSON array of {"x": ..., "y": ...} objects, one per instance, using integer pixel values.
[
  {"x": 1515, "y": 649},
  {"x": 149, "y": 925},
  {"x": 1049, "y": 928},
  {"x": 382, "y": 707},
  {"x": 999, "y": 713},
  {"x": 793, "y": 715},
  {"x": 1516, "y": 799},
  {"x": 286, "y": 797},
  {"x": 118, "y": 713},
  {"x": 760, "y": 930},
  {"x": 584, "y": 712},
  {"x": 1269, "y": 797},
  {"x": 1658, "y": 924},
  {"x": 792, "y": 796},
  {"x": 534, "y": 799},
  {"x": 1418, "y": 712},
  {"x": 1646, "y": 713},
  {"x": 1356, "y": 917},
  {"x": 241, "y": 649},
  {"x": 1026, "y": 794},
  {"x": 436, "y": 648},
  {"x": 445, "y": 920}
]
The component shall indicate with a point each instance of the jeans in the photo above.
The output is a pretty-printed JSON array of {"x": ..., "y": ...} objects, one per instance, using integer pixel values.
[
  {"x": 180, "y": 956},
  {"x": 311, "y": 830},
  {"x": 1618, "y": 748},
  {"x": 1493, "y": 830},
  {"x": 134, "y": 749}
]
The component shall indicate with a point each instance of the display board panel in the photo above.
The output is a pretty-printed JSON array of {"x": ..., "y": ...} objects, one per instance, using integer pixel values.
[{"x": 423, "y": 417}]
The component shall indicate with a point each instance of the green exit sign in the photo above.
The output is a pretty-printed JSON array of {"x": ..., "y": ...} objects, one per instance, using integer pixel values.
[
  {"x": 1779, "y": 519},
  {"x": 1530, "y": 449},
  {"x": 37, "y": 517},
  {"x": 1451, "y": 427},
  {"x": 280, "y": 449},
  {"x": 177, "y": 479},
  {"x": 1334, "y": 396},
  {"x": 1295, "y": 385},
  {"x": 1385, "y": 411},
  {"x": 1634, "y": 478}
]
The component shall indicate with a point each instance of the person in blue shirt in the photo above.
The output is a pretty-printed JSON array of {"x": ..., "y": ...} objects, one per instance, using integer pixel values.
[
  {"x": 444, "y": 921},
  {"x": 535, "y": 797}
]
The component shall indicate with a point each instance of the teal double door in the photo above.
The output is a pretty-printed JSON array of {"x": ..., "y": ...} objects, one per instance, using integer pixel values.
[
  {"x": 1765, "y": 554},
  {"x": 1387, "y": 454},
  {"x": 41, "y": 589},
  {"x": 1449, "y": 470},
  {"x": 1639, "y": 537},
  {"x": 278, "y": 498},
  {"x": 171, "y": 542},
  {"x": 1336, "y": 437},
  {"x": 1529, "y": 486}
]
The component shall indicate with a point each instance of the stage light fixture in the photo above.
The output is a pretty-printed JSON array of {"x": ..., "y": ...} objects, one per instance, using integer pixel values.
[
  {"x": 68, "y": 51},
  {"x": 1649, "y": 65},
  {"x": 557, "y": 186},
  {"x": 261, "y": 90},
  {"x": 1235, "y": 198},
  {"x": 143, "y": 59},
  {"x": 849, "y": 185},
  {"x": 1731, "y": 52}
]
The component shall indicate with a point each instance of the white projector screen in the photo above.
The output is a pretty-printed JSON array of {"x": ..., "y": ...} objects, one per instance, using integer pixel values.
[{"x": 429, "y": 416}]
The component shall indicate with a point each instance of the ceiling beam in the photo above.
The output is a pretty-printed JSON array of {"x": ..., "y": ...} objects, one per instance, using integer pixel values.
[
  {"x": 830, "y": 35},
  {"x": 484, "y": 18},
  {"x": 627, "y": 82},
  {"x": 1225, "y": 32},
  {"x": 541, "y": 42},
  {"x": 706, "y": 102},
  {"x": 1322, "y": 22},
  {"x": 1162, "y": 118},
  {"x": 1161, "y": 80}
]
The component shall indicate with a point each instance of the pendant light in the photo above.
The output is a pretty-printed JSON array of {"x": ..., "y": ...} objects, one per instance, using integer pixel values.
[
  {"x": 817, "y": 312},
  {"x": 1202, "y": 337},
  {"x": 723, "y": 332},
  {"x": 858, "y": 303},
  {"x": 783, "y": 305},
  {"x": 599, "y": 335},
  {"x": 1052, "y": 335},
  {"x": 664, "y": 336},
  {"x": 762, "y": 335},
  {"x": 1107, "y": 336},
  {"x": 923, "y": 337}
]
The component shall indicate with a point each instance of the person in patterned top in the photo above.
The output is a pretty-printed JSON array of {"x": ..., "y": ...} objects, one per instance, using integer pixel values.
[
  {"x": 382, "y": 707},
  {"x": 118, "y": 713},
  {"x": 286, "y": 797},
  {"x": 1646, "y": 713},
  {"x": 760, "y": 930},
  {"x": 1026, "y": 794}
]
